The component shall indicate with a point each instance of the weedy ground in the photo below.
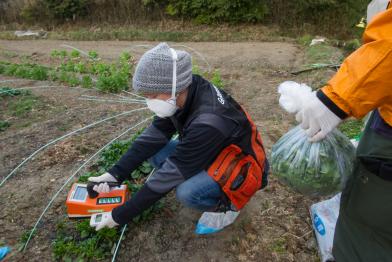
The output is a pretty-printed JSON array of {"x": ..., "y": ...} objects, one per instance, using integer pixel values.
[{"x": 275, "y": 226}]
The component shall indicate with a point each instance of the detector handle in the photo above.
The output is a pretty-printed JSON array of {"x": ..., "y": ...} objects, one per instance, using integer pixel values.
[{"x": 92, "y": 193}]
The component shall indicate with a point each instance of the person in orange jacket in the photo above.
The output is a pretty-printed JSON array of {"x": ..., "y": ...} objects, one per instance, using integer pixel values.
[{"x": 363, "y": 84}]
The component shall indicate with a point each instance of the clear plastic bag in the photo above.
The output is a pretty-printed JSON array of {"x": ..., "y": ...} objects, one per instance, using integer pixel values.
[
  {"x": 212, "y": 222},
  {"x": 320, "y": 168},
  {"x": 324, "y": 217},
  {"x": 313, "y": 168}
]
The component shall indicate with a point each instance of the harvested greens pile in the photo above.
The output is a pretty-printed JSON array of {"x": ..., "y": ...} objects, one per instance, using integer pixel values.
[{"x": 313, "y": 168}]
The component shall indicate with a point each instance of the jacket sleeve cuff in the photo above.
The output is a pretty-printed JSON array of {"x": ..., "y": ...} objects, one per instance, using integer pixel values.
[
  {"x": 331, "y": 105},
  {"x": 117, "y": 174},
  {"x": 119, "y": 178},
  {"x": 139, "y": 202}
]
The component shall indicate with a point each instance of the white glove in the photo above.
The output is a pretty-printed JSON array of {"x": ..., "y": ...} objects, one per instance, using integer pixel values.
[
  {"x": 103, "y": 187},
  {"x": 316, "y": 119},
  {"x": 311, "y": 113},
  {"x": 106, "y": 221}
]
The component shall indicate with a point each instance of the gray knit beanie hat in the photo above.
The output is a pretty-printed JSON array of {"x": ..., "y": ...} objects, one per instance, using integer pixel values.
[{"x": 154, "y": 72}]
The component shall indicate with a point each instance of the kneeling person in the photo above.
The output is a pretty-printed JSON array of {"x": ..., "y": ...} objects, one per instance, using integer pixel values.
[{"x": 216, "y": 165}]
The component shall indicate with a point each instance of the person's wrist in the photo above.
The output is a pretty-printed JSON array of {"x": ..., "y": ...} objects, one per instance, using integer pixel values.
[
  {"x": 331, "y": 105},
  {"x": 114, "y": 218},
  {"x": 116, "y": 176}
]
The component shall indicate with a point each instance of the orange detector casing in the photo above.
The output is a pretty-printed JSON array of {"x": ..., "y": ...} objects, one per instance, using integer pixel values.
[{"x": 79, "y": 204}]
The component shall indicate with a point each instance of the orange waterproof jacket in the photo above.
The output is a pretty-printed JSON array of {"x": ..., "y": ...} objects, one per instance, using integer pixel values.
[{"x": 364, "y": 80}]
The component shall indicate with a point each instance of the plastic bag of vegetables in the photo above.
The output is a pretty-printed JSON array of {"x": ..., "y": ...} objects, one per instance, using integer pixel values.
[{"x": 319, "y": 168}]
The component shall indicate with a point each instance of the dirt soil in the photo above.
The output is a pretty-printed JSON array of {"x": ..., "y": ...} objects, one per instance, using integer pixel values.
[{"x": 275, "y": 226}]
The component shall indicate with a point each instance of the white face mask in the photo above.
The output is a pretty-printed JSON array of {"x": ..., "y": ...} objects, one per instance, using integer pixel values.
[
  {"x": 166, "y": 108},
  {"x": 162, "y": 108}
]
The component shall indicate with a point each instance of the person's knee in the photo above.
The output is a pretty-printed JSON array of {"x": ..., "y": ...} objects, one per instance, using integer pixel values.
[{"x": 185, "y": 196}]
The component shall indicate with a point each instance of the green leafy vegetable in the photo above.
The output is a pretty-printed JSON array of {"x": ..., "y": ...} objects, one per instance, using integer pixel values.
[{"x": 313, "y": 168}]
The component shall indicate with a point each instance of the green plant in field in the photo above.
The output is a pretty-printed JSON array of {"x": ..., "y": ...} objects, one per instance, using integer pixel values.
[
  {"x": 29, "y": 71},
  {"x": 73, "y": 80},
  {"x": 63, "y": 76},
  {"x": 352, "y": 45},
  {"x": 76, "y": 240},
  {"x": 86, "y": 82},
  {"x": 59, "y": 54},
  {"x": 39, "y": 73},
  {"x": 125, "y": 57},
  {"x": 196, "y": 70},
  {"x": 23, "y": 105},
  {"x": 111, "y": 77},
  {"x": 81, "y": 242},
  {"x": 80, "y": 67},
  {"x": 10, "y": 69},
  {"x": 68, "y": 66},
  {"x": 100, "y": 68},
  {"x": 75, "y": 53},
  {"x": 278, "y": 246},
  {"x": 4, "y": 125},
  {"x": 52, "y": 75},
  {"x": 22, "y": 72},
  {"x": 23, "y": 239},
  {"x": 63, "y": 54},
  {"x": 305, "y": 40},
  {"x": 322, "y": 53},
  {"x": 8, "y": 91},
  {"x": 217, "y": 79},
  {"x": 55, "y": 53},
  {"x": 114, "y": 83},
  {"x": 93, "y": 54},
  {"x": 20, "y": 102},
  {"x": 2, "y": 68}
]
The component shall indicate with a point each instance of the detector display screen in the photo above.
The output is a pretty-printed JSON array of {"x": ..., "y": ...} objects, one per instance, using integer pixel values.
[
  {"x": 108, "y": 200},
  {"x": 98, "y": 218},
  {"x": 80, "y": 193}
]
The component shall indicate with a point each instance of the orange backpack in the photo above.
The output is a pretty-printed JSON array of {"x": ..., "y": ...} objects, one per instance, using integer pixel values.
[{"x": 232, "y": 163}]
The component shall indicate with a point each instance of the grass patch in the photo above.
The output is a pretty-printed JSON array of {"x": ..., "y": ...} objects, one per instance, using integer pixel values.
[
  {"x": 351, "y": 128},
  {"x": 20, "y": 107},
  {"x": 4, "y": 125},
  {"x": 278, "y": 246},
  {"x": 322, "y": 54},
  {"x": 171, "y": 31},
  {"x": 23, "y": 239},
  {"x": 305, "y": 40},
  {"x": 319, "y": 62},
  {"x": 16, "y": 103},
  {"x": 214, "y": 77}
]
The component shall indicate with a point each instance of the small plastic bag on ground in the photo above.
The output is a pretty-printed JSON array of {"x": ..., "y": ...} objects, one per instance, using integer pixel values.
[
  {"x": 324, "y": 216},
  {"x": 320, "y": 168},
  {"x": 3, "y": 252},
  {"x": 212, "y": 222}
]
